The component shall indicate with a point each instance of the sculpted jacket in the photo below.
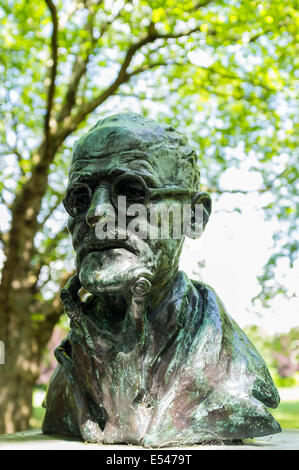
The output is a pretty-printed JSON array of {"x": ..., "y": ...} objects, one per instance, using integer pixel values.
[{"x": 189, "y": 374}]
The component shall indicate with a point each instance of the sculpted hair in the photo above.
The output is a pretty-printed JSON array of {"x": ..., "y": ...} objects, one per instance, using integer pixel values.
[{"x": 127, "y": 132}]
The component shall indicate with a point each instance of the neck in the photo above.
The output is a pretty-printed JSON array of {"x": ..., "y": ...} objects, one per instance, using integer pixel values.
[{"x": 161, "y": 287}]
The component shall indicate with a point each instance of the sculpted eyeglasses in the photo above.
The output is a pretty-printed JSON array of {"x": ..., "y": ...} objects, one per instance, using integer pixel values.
[{"x": 131, "y": 186}]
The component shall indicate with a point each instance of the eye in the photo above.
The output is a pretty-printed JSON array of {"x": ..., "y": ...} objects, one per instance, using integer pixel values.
[
  {"x": 134, "y": 192},
  {"x": 78, "y": 200},
  {"x": 132, "y": 188}
]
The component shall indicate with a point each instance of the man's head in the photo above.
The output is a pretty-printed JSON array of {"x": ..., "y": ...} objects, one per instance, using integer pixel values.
[{"x": 132, "y": 156}]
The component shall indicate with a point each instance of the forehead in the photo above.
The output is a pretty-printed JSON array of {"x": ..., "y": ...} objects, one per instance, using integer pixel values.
[
  {"x": 113, "y": 165},
  {"x": 98, "y": 153},
  {"x": 131, "y": 143},
  {"x": 117, "y": 134}
]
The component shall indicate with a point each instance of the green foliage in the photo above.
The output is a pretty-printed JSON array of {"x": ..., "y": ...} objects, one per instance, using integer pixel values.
[
  {"x": 224, "y": 72},
  {"x": 281, "y": 353},
  {"x": 283, "y": 382},
  {"x": 287, "y": 414}
]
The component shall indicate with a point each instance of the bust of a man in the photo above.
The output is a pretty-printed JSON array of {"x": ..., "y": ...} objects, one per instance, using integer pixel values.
[{"x": 152, "y": 357}]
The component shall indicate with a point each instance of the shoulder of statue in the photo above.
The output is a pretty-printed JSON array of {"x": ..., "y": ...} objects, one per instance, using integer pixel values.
[
  {"x": 235, "y": 348},
  {"x": 212, "y": 303}
]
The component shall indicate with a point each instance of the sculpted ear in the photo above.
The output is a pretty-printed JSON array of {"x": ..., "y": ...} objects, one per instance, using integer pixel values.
[{"x": 201, "y": 208}]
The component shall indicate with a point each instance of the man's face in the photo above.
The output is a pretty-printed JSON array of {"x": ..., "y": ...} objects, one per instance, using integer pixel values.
[{"x": 110, "y": 265}]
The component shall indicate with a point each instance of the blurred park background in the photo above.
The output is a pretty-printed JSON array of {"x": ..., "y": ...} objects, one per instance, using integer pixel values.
[{"x": 225, "y": 73}]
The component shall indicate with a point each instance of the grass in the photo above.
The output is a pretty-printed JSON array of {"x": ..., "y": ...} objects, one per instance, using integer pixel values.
[
  {"x": 287, "y": 414},
  {"x": 38, "y": 411},
  {"x": 37, "y": 417}
]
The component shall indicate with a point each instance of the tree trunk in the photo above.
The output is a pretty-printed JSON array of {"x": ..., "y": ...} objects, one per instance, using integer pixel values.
[
  {"x": 24, "y": 339},
  {"x": 19, "y": 373},
  {"x": 24, "y": 342},
  {"x": 16, "y": 393}
]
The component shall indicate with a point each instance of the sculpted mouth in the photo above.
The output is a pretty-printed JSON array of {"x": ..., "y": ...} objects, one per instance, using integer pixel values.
[{"x": 98, "y": 248}]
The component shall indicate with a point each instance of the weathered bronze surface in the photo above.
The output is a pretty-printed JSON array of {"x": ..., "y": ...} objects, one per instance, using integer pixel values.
[{"x": 152, "y": 357}]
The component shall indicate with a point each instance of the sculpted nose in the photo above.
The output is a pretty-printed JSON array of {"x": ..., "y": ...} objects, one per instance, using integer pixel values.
[{"x": 100, "y": 207}]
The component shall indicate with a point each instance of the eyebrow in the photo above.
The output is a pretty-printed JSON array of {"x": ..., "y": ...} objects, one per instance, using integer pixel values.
[
  {"x": 130, "y": 151},
  {"x": 111, "y": 174},
  {"x": 97, "y": 174}
]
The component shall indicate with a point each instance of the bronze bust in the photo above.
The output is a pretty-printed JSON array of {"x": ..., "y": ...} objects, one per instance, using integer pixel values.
[{"x": 152, "y": 357}]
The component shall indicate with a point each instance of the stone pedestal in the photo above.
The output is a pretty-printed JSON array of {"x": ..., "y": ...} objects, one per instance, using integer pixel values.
[{"x": 35, "y": 440}]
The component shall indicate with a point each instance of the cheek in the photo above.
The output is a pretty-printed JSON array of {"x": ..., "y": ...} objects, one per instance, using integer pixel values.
[
  {"x": 165, "y": 224},
  {"x": 77, "y": 230},
  {"x": 165, "y": 219},
  {"x": 166, "y": 252}
]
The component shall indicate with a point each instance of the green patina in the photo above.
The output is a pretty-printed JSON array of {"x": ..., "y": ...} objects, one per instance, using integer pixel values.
[{"x": 151, "y": 357}]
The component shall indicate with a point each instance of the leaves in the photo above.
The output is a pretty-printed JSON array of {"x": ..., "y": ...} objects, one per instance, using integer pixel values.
[{"x": 223, "y": 72}]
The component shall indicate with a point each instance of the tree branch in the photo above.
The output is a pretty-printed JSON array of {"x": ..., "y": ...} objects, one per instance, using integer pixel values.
[
  {"x": 79, "y": 69},
  {"x": 73, "y": 8},
  {"x": 124, "y": 75},
  {"x": 80, "y": 64},
  {"x": 145, "y": 67},
  {"x": 72, "y": 122},
  {"x": 45, "y": 258},
  {"x": 1, "y": 239},
  {"x": 202, "y": 4},
  {"x": 140, "y": 96},
  {"x": 106, "y": 24},
  {"x": 52, "y": 209},
  {"x": 53, "y": 72}
]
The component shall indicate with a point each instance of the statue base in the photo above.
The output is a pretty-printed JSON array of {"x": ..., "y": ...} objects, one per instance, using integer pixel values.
[{"x": 288, "y": 439}]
